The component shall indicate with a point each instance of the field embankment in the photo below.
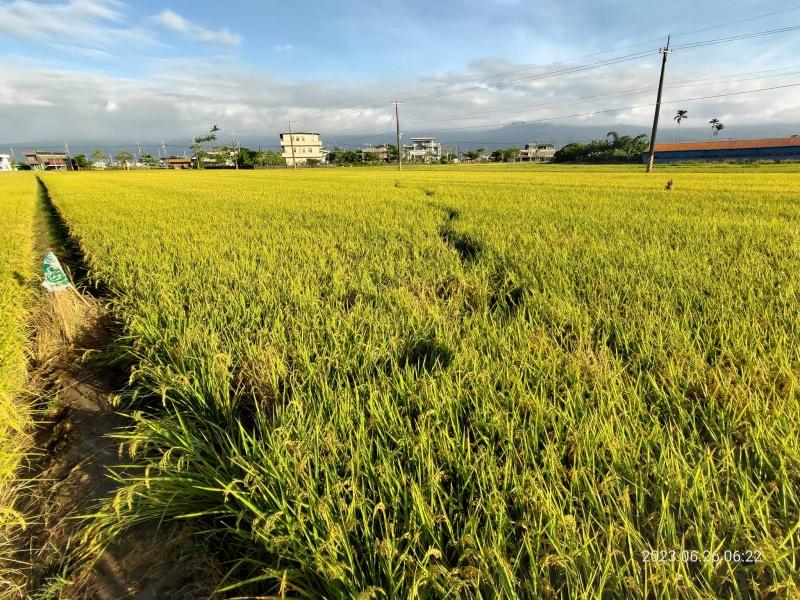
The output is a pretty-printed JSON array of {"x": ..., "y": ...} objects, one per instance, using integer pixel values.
[
  {"x": 58, "y": 377},
  {"x": 496, "y": 383}
]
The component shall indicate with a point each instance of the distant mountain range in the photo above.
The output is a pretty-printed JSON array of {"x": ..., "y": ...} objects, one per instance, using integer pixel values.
[{"x": 510, "y": 135}]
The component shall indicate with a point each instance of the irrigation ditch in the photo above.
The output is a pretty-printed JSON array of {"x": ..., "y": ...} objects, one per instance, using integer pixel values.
[{"x": 72, "y": 387}]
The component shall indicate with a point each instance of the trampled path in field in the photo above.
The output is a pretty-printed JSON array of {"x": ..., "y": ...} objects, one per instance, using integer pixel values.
[{"x": 77, "y": 450}]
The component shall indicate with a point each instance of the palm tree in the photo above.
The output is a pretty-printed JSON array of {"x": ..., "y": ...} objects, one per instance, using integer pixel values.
[
  {"x": 717, "y": 128},
  {"x": 714, "y": 122},
  {"x": 682, "y": 114}
]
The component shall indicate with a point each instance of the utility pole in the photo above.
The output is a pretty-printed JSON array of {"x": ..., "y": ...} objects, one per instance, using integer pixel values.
[
  {"x": 67, "y": 158},
  {"x": 664, "y": 52},
  {"x": 397, "y": 123},
  {"x": 291, "y": 143},
  {"x": 235, "y": 151}
]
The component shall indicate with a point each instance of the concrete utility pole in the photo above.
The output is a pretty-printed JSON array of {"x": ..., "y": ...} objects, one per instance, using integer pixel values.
[
  {"x": 291, "y": 143},
  {"x": 67, "y": 158},
  {"x": 664, "y": 52},
  {"x": 399, "y": 148},
  {"x": 235, "y": 151}
]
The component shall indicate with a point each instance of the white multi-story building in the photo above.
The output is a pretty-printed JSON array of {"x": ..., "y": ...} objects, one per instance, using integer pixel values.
[
  {"x": 422, "y": 149},
  {"x": 5, "y": 162},
  {"x": 301, "y": 147},
  {"x": 537, "y": 152}
]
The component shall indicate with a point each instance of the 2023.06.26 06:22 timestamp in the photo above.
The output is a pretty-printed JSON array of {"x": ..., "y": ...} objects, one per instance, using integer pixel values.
[{"x": 746, "y": 557}]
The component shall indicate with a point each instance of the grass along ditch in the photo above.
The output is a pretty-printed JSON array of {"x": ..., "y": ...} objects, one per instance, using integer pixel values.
[{"x": 70, "y": 389}]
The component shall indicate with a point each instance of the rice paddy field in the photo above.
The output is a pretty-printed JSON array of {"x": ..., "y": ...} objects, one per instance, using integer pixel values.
[
  {"x": 487, "y": 382},
  {"x": 17, "y": 205}
]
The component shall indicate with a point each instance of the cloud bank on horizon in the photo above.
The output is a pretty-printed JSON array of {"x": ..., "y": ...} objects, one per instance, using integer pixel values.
[{"x": 121, "y": 72}]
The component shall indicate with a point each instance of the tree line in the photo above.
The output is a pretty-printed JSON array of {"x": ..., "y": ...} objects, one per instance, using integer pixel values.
[{"x": 614, "y": 149}]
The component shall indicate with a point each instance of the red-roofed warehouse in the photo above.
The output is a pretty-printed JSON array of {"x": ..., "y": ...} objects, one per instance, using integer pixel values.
[{"x": 786, "y": 148}]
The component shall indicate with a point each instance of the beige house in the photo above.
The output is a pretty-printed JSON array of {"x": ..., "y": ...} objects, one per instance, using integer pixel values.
[
  {"x": 375, "y": 154},
  {"x": 302, "y": 147},
  {"x": 537, "y": 152},
  {"x": 422, "y": 149}
]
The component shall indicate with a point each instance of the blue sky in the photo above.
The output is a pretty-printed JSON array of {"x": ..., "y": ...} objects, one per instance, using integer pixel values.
[{"x": 101, "y": 69}]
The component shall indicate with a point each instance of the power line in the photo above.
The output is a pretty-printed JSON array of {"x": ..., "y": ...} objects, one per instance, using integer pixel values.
[
  {"x": 735, "y": 38},
  {"x": 617, "y": 94},
  {"x": 385, "y": 104},
  {"x": 612, "y": 110},
  {"x": 736, "y": 22},
  {"x": 565, "y": 71}
]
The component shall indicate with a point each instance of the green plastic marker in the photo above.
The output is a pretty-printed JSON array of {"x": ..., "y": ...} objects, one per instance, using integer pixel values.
[{"x": 55, "y": 280}]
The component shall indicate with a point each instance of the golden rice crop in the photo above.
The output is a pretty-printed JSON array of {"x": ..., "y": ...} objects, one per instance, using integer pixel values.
[
  {"x": 17, "y": 204},
  {"x": 488, "y": 382}
]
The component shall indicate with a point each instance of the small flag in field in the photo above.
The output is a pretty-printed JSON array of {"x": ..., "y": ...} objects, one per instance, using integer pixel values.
[{"x": 55, "y": 280}]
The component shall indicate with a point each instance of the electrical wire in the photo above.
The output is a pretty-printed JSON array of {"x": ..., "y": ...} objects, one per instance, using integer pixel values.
[
  {"x": 616, "y": 94},
  {"x": 570, "y": 70},
  {"x": 735, "y": 38},
  {"x": 348, "y": 112},
  {"x": 620, "y": 109}
]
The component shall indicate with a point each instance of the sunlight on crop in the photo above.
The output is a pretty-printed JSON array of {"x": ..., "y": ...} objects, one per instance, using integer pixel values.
[{"x": 489, "y": 382}]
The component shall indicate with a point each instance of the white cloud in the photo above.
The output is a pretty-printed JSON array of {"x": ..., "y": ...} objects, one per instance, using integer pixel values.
[
  {"x": 85, "y": 27},
  {"x": 283, "y": 48},
  {"x": 13, "y": 97},
  {"x": 179, "y": 98},
  {"x": 175, "y": 22}
]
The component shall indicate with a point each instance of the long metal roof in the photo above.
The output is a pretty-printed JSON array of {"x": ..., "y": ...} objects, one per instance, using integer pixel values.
[{"x": 783, "y": 142}]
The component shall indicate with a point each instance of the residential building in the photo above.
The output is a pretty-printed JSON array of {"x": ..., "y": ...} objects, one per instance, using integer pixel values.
[
  {"x": 537, "y": 152},
  {"x": 216, "y": 159},
  {"x": 302, "y": 147},
  {"x": 375, "y": 154},
  {"x": 786, "y": 148},
  {"x": 48, "y": 161},
  {"x": 422, "y": 149},
  {"x": 5, "y": 162}
]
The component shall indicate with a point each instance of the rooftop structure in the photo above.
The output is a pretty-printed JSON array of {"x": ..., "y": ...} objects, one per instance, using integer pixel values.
[
  {"x": 48, "y": 161},
  {"x": 785, "y": 148}
]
